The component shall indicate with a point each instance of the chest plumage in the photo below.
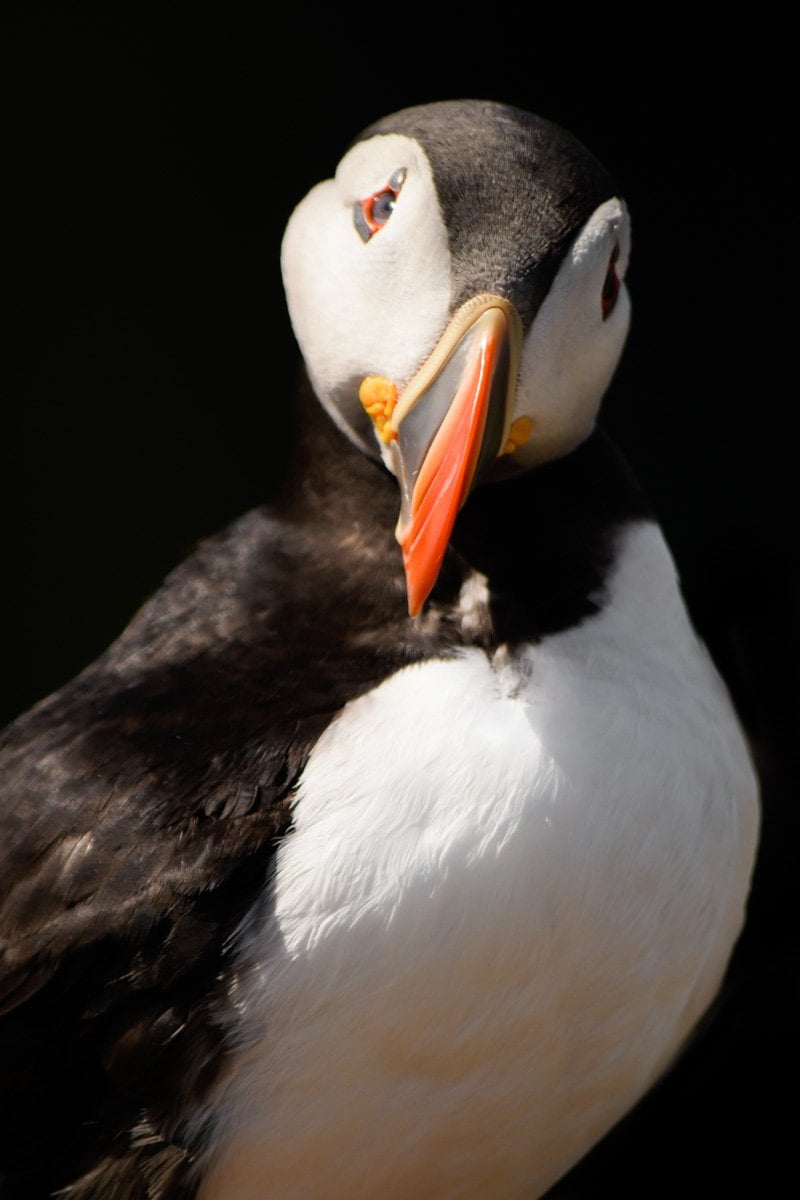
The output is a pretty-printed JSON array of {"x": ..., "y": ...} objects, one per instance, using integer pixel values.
[{"x": 510, "y": 893}]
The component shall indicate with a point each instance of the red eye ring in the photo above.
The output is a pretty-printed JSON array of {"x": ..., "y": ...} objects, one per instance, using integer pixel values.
[
  {"x": 611, "y": 285},
  {"x": 370, "y": 215},
  {"x": 377, "y": 209}
]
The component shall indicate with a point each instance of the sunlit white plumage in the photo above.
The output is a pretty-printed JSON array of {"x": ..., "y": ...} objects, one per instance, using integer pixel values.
[{"x": 515, "y": 918}]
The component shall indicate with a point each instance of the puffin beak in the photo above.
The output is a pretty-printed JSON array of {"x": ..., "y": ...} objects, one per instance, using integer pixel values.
[{"x": 448, "y": 427}]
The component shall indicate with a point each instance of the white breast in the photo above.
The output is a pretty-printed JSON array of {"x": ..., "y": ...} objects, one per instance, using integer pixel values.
[{"x": 512, "y": 889}]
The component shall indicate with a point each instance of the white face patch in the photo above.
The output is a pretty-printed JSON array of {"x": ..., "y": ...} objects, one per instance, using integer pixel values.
[
  {"x": 572, "y": 349},
  {"x": 377, "y": 307}
]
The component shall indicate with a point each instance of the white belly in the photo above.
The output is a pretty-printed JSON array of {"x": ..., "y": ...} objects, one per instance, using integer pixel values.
[{"x": 512, "y": 890}]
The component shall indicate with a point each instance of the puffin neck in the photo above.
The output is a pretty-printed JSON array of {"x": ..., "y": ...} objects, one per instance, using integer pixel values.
[{"x": 545, "y": 539}]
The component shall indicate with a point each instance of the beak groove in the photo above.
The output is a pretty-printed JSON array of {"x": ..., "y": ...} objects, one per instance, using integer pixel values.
[{"x": 450, "y": 423}]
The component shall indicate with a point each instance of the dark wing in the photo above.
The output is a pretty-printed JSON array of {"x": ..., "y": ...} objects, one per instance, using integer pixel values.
[{"x": 141, "y": 807}]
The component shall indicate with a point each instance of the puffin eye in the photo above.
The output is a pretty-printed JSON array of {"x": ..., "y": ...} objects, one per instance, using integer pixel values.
[
  {"x": 382, "y": 206},
  {"x": 608, "y": 297},
  {"x": 371, "y": 214}
]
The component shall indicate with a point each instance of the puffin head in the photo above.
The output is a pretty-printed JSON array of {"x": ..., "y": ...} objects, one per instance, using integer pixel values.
[{"x": 457, "y": 292}]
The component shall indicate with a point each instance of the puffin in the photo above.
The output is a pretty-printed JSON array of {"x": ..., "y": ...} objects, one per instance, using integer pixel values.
[{"x": 400, "y": 843}]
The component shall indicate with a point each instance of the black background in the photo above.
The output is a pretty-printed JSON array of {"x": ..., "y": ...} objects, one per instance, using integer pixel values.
[{"x": 152, "y": 160}]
